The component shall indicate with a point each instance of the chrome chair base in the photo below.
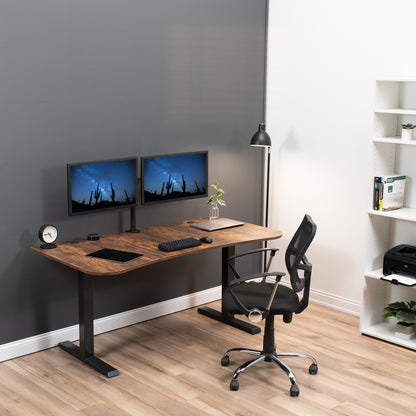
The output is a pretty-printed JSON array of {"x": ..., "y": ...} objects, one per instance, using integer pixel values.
[{"x": 274, "y": 357}]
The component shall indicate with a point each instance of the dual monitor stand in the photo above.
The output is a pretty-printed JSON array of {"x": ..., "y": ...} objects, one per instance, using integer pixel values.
[{"x": 133, "y": 228}]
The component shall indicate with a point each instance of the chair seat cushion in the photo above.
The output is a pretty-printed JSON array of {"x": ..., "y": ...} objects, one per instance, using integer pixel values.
[{"x": 257, "y": 295}]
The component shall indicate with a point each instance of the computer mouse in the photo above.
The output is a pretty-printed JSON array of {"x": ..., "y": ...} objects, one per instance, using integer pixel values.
[{"x": 207, "y": 240}]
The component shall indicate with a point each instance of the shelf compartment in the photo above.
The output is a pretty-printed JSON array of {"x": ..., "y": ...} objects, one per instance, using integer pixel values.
[
  {"x": 404, "y": 280},
  {"x": 374, "y": 274},
  {"x": 385, "y": 331},
  {"x": 394, "y": 140},
  {"x": 405, "y": 214},
  {"x": 400, "y": 111}
]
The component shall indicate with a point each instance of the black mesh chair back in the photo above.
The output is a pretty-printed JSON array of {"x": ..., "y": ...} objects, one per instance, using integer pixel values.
[{"x": 295, "y": 252}]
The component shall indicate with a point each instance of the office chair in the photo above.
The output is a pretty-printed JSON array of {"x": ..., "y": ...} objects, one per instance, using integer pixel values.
[{"x": 260, "y": 299}]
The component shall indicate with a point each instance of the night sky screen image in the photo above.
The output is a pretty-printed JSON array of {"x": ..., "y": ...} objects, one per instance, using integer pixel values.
[
  {"x": 172, "y": 177},
  {"x": 96, "y": 186}
]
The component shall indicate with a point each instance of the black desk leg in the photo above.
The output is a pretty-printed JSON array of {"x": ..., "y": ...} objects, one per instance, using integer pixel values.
[
  {"x": 228, "y": 318},
  {"x": 85, "y": 351}
]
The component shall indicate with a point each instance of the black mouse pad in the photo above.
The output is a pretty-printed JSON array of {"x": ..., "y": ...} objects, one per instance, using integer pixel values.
[{"x": 114, "y": 255}]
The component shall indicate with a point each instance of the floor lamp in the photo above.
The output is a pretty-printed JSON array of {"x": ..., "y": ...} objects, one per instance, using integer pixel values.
[{"x": 262, "y": 139}]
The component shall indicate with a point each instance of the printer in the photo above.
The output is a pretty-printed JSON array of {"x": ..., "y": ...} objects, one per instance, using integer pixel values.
[{"x": 401, "y": 260}]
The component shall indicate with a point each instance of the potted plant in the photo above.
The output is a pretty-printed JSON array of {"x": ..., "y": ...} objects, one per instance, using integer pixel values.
[
  {"x": 405, "y": 313},
  {"x": 214, "y": 200},
  {"x": 407, "y": 131}
]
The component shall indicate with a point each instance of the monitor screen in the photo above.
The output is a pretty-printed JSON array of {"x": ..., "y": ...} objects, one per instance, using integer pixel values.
[
  {"x": 102, "y": 185},
  {"x": 174, "y": 177}
]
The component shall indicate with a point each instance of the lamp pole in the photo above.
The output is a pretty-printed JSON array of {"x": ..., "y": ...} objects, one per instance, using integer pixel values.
[
  {"x": 266, "y": 219},
  {"x": 262, "y": 139}
]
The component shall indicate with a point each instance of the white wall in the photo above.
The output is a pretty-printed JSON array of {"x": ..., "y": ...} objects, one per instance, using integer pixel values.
[{"x": 323, "y": 59}]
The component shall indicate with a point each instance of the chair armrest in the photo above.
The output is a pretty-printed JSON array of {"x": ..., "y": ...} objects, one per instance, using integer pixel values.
[
  {"x": 240, "y": 280},
  {"x": 248, "y": 253},
  {"x": 256, "y": 311},
  {"x": 272, "y": 252}
]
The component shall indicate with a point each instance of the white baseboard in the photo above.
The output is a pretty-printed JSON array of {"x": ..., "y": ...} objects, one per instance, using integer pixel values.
[
  {"x": 134, "y": 316},
  {"x": 335, "y": 302},
  {"x": 108, "y": 323},
  {"x": 331, "y": 301}
]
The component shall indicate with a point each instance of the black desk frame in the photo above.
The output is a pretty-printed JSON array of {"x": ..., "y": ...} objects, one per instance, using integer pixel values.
[
  {"x": 221, "y": 316},
  {"x": 85, "y": 351}
]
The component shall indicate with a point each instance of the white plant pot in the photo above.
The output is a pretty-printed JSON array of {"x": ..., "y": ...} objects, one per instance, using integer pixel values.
[
  {"x": 404, "y": 332},
  {"x": 407, "y": 134}
]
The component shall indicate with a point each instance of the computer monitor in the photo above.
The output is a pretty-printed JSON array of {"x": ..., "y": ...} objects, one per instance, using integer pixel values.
[
  {"x": 102, "y": 185},
  {"x": 174, "y": 177}
]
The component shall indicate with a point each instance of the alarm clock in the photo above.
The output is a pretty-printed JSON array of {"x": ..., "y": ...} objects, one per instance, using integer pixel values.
[{"x": 48, "y": 234}]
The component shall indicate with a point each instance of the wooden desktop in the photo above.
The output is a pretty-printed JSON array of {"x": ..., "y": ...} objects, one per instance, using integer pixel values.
[{"x": 74, "y": 255}]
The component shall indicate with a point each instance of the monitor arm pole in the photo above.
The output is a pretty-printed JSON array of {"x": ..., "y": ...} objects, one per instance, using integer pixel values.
[{"x": 133, "y": 221}]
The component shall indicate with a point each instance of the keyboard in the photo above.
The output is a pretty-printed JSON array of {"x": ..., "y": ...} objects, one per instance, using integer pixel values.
[{"x": 179, "y": 244}]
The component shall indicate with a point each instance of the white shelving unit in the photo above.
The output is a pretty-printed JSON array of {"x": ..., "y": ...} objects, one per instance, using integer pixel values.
[{"x": 395, "y": 104}]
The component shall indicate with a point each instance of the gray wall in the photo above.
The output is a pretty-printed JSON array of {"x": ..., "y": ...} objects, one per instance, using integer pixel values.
[{"x": 83, "y": 80}]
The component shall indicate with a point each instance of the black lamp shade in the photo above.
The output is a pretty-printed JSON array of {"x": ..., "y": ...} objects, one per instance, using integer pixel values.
[{"x": 261, "y": 138}]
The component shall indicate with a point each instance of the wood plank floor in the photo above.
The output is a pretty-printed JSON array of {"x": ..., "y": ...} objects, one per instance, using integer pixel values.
[{"x": 170, "y": 366}]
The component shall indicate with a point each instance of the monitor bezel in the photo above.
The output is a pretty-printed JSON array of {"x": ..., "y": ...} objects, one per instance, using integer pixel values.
[
  {"x": 142, "y": 177},
  {"x": 69, "y": 186}
]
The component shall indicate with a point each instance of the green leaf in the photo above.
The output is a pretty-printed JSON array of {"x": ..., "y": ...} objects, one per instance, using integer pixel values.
[
  {"x": 222, "y": 202},
  {"x": 402, "y": 311},
  {"x": 408, "y": 317},
  {"x": 397, "y": 305}
]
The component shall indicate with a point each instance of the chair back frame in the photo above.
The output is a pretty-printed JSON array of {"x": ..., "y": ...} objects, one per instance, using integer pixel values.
[{"x": 295, "y": 257}]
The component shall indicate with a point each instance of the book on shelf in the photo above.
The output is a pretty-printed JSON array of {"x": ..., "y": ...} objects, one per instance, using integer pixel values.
[
  {"x": 388, "y": 192},
  {"x": 376, "y": 193}
]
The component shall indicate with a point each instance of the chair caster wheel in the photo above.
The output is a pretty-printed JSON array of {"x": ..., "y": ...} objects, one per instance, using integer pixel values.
[
  {"x": 225, "y": 361},
  {"x": 294, "y": 391},
  {"x": 234, "y": 385},
  {"x": 313, "y": 369}
]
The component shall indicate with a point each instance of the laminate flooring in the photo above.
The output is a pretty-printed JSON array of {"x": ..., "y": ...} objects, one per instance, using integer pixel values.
[{"x": 170, "y": 366}]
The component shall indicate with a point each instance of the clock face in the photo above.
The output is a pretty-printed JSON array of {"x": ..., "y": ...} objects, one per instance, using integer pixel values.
[{"x": 48, "y": 233}]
